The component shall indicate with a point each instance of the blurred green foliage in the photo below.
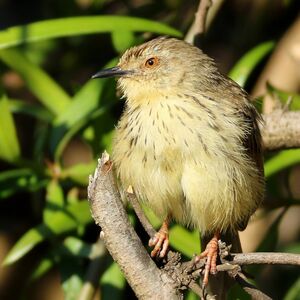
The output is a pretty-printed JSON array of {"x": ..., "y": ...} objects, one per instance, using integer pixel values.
[{"x": 35, "y": 163}]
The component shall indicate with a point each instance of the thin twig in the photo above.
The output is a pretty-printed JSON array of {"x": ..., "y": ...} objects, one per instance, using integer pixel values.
[
  {"x": 196, "y": 288},
  {"x": 200, "y": 16},
  {"x": 199, "y": 25},
  {"x": 250, "y": 289},
  {"x": 140, "y": 214},
  {"x": 270, "y": 258}
]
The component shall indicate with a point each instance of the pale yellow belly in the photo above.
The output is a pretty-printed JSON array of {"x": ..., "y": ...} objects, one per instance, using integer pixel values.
[{"x": 178, "y": 173}]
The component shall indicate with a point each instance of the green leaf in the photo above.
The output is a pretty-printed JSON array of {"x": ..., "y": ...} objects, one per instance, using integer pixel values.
[
  {"x": 76, "y": 214},
  {"x": 107, "y": 139},
  {"x": 38, "y": 112},
  {"x": 16, "y": 180},
  {"x": 294, "y": 291},
  {"x": 9, "y": 144},
  {"x": 282, "y": 160},
  {"x": 184, "y": 241},
  {"x": 30, "y": 239},
  {"x": 243, "y": 68},
  {"x": 54, "y": 201},
  {"x": 122, "y": 40},
  {"x": 38, "y": 81},
  {"x": 84, "y": 103},
  {"x": 191, "y": 296},
  {"x": 112, "y": 283},
  {"x": 153, "y": 219},
  {"x": 77, "y": 247},
  {"x": 71, "y": 273},
  {"x": 84, "y": 107},
  {"x": 284, "y": 97},
  {"x": 43, "y": 267},
  {"x": 80, "y": 172},
  {"x": 292, "y": 248},
  {"x": 78, "y": 26}
]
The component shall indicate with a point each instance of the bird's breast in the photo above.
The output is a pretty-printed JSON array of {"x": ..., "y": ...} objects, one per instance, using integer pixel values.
[{"x": 179, "y": 155}]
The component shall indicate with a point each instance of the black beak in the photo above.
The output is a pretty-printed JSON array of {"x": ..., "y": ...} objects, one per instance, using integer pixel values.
[{"x": 111, "y": 72}]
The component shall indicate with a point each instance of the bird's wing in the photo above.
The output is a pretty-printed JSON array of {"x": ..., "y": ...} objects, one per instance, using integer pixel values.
[{"x": 253, "y": 144}]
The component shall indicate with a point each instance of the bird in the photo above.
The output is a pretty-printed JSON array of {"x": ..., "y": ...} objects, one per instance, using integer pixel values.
[{"x": 188, "y": 142}]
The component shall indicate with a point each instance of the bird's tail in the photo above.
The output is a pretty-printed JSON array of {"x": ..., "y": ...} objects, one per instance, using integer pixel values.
[{"x": 220, "y": 284}]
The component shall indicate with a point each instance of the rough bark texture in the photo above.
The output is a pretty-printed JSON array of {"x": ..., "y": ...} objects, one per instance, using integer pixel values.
[
  {"x": 147, "y": 281},
  {"x": 281, "y": 130}
]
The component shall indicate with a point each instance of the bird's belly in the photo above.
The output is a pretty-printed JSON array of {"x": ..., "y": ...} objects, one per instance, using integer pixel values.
[
  {"x": 204, "y": 193},
  {"x": 156, "y": 179},
  {"x": 220, "y": 194},
  {"x": 181, "y": 166}
]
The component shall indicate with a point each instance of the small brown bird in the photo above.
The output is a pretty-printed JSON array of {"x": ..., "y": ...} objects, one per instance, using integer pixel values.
[{"x": 188, "y": 142}]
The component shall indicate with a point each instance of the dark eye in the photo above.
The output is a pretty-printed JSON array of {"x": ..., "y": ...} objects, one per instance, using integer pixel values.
[{"x": 151, "y": 62}]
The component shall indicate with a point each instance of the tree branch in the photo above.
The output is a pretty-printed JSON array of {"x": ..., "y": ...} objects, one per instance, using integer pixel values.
[
  {"x": 281, "y": 130},
  {"x": 207, "y": 10},
  {"x": 147, "y": 281},
  {"x": 140, "y": 214},
  {"x": 139, "y": 269},
  {"x": 196, "y": 32},
  {"x": 272, "y": 258}
]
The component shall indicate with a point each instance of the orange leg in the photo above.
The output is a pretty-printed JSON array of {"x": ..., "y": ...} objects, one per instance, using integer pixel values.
[
  {"x": 160, "y": 241},
  {"x": 211, "y": 254}
]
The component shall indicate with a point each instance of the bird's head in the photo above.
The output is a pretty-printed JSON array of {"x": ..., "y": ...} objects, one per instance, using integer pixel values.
[{"x": 158, "y": 67}]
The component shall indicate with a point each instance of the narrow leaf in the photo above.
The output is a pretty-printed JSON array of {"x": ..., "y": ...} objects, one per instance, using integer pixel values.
[
  {"x": 71, "y": 273},
  {"x": 284, "y": 97},
  {"x": 113, "y": 283},
  {"x": 77, "y": 214},
  {"x": 243, "y": 68},
  {"x": 282, "y": 160},
  {"x": 78, "y": 26},
  {"x": 9, "y": 144},
  {"x": 294, "y": 291},
  {"x": 54, "y": 201},
  {"x": 38, "y": 81},
  {"x": 30, "y": 239},
  {"x": 122, "y": 40},
  {"x": 43, "y": 267},
  {"x": 85, "y": 105},
  {"x": 22, "y": 107}
]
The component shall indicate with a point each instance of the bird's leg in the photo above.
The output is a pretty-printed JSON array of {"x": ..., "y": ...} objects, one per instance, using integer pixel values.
[
  {"x": 211, "y": 254},
  {"x": 160, "y": 241}
]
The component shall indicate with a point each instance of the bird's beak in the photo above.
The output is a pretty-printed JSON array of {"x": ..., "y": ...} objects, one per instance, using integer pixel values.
[{"x": 111, "y": 72}]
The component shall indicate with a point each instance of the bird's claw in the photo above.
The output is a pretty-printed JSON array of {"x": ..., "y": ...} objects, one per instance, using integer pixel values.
[
  {"x": 211, "y": 254},
  {"x": 160, "y": 242}
]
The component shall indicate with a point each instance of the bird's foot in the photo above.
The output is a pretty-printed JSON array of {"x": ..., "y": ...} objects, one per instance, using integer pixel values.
[
  {"x": 160, "y": 241},
  {"x": 211, "y": 254}
]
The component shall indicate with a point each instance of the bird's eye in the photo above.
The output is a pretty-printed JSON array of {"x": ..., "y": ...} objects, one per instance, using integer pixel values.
[{"x": 151, "y": 62}]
